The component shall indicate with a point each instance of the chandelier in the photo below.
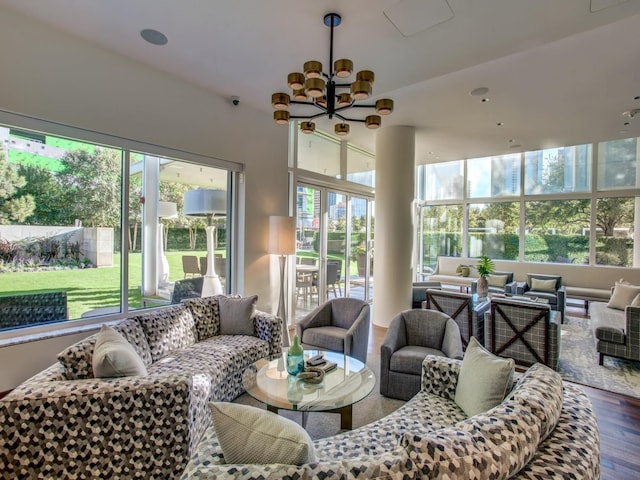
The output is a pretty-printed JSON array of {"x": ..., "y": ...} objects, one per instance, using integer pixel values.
[{"x": 317, "y": 89}]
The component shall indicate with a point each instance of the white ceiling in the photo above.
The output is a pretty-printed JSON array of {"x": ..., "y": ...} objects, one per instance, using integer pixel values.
[{"x": 558, "y": 72}]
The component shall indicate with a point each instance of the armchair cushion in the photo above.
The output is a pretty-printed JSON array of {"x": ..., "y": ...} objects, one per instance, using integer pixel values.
[
  {"x": 113, "y": 356},
  {"x": 409, "y": 359},
  {"x": 236, "y": 315},
  {"x": 331, "y": 338},
  {"x": 497, "y": 280},
  {"x": 249, "y": 435},
  {"x": 541, "y": 285},
  {"x": 484, "y": 380}
]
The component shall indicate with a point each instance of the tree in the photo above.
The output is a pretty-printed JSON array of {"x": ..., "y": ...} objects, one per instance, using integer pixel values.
[
  {"x": 50, "y": 206},
  {"x": 14, "y": 207},
  {"x": 611, "y": 212},
  {"x": 94, "y": 179}
]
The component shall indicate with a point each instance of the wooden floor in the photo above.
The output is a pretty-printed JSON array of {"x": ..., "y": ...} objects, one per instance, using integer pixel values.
[{"x": 618, "y": 421}]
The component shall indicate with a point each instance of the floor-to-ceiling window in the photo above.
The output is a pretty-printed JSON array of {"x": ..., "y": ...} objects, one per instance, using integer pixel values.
[
  {"x": 100, "y": 228},
  {"x": 544, "y": 206}
]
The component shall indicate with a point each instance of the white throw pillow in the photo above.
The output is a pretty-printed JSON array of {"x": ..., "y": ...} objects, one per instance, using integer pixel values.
[
  {"x": 114, "y": 356},
  {"x": 623, "y": 295},
  {"x": 250, "y": 435},
  {"x": 484, "y": 379},
  {"x": 542, "y": 285}
]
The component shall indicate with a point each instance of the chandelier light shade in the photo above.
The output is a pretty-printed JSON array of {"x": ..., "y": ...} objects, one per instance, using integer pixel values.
[
  {"x": 322, "y": 96},
  {"x": 342, "y": 129}
]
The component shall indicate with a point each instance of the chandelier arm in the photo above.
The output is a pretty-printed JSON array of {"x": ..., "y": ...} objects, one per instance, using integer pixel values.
[
  {"x": 347, "y": 119},
  {"x": 311, "y": 117},
  {"x": 353, "y": 105}
]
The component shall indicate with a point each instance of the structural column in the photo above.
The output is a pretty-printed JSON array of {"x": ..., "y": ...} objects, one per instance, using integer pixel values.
[
  {"x": 393, "y": 252},
  {"x": 150, "y": 231}
]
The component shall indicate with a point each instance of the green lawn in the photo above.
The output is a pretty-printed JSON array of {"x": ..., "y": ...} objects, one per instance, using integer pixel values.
[{"x": 92, "y": 287}]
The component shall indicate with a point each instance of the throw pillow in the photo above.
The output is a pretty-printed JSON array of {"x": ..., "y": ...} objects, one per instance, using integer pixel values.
[
  {"x": 484, "y": 379},
  {"x": 497, "y": 280},
  {"x": 542, "y": 285},
  {"x": 623, "y": 295},
  {"x": 462, "y": 270},
  {"x": 636, "y": 301},
  {"x": 236, "y": 315},
  {"x": 251, "y": 435},
  {"x": 114, "y": 356}
]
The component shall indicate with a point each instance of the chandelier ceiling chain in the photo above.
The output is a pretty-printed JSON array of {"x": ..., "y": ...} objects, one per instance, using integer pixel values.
[{"x": 330, "y": 98}]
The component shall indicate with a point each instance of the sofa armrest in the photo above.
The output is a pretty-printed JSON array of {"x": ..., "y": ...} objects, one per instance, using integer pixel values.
[
  {"x": 521, "y": 287},
  {"x": 632, "y": 315},
  {"x": 105, "y": 427},
  {"x": 268, "y": 327},
  {"x": 511, "y": 287},
  {"x": 440, "y": 376}
]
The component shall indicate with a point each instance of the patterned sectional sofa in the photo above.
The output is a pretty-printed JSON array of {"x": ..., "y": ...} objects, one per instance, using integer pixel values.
[
  {"x": 543, "y": 429},
  {"x": 63, "y": 423}
]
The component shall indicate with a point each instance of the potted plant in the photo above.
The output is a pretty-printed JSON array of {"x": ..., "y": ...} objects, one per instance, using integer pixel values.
[{"x": 485, "y": 267}]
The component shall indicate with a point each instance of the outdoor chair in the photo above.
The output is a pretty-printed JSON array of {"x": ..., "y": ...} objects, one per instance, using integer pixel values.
[
  {"x": 304, "y": 285},
  {"x": 190, "y": 265},
  {"x": 547, "y": 287},
  {"x": 463, "y": 308},
  {"x": 187, "y": 288},
  {"x": 527, "y": 331},
  {"x": 338, "y": 325},
  {"x": 412, "y": 335}
]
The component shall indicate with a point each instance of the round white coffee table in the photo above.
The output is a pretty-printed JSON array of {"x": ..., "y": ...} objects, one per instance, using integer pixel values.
[{"x": 268, "y": 382}]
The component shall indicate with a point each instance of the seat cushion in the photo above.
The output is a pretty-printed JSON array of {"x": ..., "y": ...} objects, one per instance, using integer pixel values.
[
  {"x": 551, "y": 297},
  {"x": 329, "y": 338},
  {"x": 217, "y": 358},
  {"x": 409, "y": 359}
]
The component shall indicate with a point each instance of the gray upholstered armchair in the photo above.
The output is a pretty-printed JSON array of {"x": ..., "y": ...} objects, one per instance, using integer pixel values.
[
  {"x": 549, "y": 287},
  {"x": 499, "y": 282},
  {"x": 339, "y": 325},
  {"x": 412, "y": 335}
]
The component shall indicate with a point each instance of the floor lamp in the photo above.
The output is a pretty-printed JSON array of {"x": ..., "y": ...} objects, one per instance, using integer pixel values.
[
  {"x": 282, "y": 242},
  {"x": 207, "y": 203}
]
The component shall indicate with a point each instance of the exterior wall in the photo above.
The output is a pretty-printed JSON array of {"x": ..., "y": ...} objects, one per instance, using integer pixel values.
[{"x": 52, "y": 76}]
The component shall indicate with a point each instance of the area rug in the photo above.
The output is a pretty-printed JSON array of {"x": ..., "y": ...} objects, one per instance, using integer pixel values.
[
  {"x": 579, "y": 361},
  {"x": 320, "y": 425}
]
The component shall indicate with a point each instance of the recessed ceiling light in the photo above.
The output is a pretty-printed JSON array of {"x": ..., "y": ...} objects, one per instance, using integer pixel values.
[
  {"x": 154, "y": 37},
  {"x": 637, "y": 97},
  {"x": 500, "y": 124},
  {"x": 479, "y": 92},
  {"x": 484, "y": 100},
  {"x": 511, "y": 140}
]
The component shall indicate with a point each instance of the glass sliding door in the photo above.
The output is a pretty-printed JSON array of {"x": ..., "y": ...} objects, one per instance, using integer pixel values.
[{"x": 332, "y": 229}]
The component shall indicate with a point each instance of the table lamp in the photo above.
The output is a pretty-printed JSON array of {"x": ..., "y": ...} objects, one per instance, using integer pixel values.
[
  {"x": 282, "y": 242},
  {"x": 207, "y": 203}
]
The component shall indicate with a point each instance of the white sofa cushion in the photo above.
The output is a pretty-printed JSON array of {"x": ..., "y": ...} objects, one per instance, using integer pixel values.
[
  {"x": 251, "y": 435},
  {"x": 484, "y": 379},
  {"x": 113, "y": 356}
]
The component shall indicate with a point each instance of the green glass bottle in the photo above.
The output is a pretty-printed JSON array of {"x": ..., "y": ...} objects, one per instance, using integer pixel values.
[{"x": 295, "y": 358}]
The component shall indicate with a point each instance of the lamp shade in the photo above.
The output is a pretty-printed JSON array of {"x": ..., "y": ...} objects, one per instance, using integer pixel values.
[
  {"x": 282, "y": 235},
  {"x": 167, "y": 210},
  {"x": 205, "y": 203}
]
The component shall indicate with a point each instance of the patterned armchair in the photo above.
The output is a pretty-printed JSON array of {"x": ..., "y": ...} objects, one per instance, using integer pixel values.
[
  {"x": 463, "y": 308},
  {"x": 528, "y": 332}
]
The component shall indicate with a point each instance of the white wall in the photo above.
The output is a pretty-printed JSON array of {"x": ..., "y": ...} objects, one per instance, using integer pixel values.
[{"x": 52, "y": 76}]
